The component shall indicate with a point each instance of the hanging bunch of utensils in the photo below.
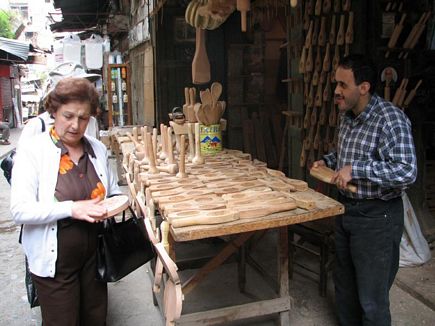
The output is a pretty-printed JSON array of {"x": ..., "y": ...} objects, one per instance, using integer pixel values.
[
  {"x": 402, "y": 98},
  {"x": 207, "y": 112},
  {"x": 208, "y": 14},
  {"x": 414, "y": 33},
  {"x": 328, "y": 26}
]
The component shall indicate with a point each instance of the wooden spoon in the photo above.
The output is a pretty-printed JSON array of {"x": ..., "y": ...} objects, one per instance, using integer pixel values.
[{"x": 216, "y": 91}]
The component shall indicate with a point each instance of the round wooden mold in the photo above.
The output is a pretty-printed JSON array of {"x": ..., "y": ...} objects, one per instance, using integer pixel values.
[{"x": 115, "y": 204}]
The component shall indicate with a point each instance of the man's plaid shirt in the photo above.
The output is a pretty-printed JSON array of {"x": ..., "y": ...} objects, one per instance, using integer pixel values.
[{"x": 378, "y": 144}]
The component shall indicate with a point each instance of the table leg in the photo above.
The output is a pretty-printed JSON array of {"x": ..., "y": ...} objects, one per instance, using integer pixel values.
[
  {"x": 216, "y": 261},
  {"x": 241, "y": 266},
  {"x": 283, "y": 279}
]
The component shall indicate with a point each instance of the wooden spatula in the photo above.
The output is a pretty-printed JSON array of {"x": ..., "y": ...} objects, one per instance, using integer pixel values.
[{"x": 200, "y": 63}]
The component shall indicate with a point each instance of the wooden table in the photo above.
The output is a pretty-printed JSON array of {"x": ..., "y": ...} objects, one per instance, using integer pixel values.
[{"x": 242, "y": 230}]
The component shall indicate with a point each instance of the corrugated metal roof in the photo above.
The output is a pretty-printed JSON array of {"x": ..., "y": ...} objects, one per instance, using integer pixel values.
[{"x": 17, "y": 48}]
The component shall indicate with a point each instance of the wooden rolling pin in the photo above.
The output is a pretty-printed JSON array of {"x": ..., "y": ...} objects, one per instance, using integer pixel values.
[
  {"x": 395, "y": 35},
  {"x": 325, "y": 174},
  {"x": 411, "y": 94}
]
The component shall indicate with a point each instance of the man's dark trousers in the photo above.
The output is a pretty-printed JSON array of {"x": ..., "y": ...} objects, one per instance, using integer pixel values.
[{"x": 367, "y": 240}]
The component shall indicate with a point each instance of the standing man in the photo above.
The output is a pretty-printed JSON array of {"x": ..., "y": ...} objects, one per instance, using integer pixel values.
[{"x": 375, "y": 151}]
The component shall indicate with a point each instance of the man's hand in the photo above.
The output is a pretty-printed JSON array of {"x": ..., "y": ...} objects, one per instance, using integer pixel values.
[
  {"x": 318, "y": 163},
  {"x": 343, "y": 176},
  {"x": 89, "y": 210}
]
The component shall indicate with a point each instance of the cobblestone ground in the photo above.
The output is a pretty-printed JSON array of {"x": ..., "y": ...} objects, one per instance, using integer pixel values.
[{"x": 14, "y": 308}]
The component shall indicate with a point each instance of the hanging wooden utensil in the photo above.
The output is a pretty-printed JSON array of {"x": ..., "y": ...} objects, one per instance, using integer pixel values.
[
  {"x": 317, "y": 139},
  {"x": 309, "y": 65},
  {"x": 336, "y": 58},
  {"x": 395, "y": 35},
  {"x": 315, "y": 34},
  {"x": 322, "y": 115},
  {"x": 318, "y": 8},
  {"x": 326, "y": 66},
  {"x": 340, "y": 33},
  {"x": 303, "y": 60},
  {"x": 332, "y": 115},
  {"x": 327, "y": 90},
  {"x": 243, "y": 6},
  {"x": 337, "y": 6},
  {"x": 200, "y": 63},
  {"x": 348, "y": 38},
  {"x": 303, "y": 157},
  {"x": 322, "y": 33},
  {"x": 318, "y": 99},
  {"x": 326, "y": 7},
  {"x": 346, "y": 5},
  {"x": 309, "y": 37},
  {"x": 332, "y": 33},
  {"x": 411, "y": 94}
]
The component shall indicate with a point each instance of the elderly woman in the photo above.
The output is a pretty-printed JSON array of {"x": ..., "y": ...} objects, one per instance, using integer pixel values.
[{"x": 59, "y": 178}]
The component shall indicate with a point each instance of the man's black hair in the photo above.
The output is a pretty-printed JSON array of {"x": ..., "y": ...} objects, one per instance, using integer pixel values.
[{"x": 363, "y": 69}]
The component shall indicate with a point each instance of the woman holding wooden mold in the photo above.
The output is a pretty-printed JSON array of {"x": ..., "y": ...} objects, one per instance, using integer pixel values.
[{"x": 59, "y": 179}]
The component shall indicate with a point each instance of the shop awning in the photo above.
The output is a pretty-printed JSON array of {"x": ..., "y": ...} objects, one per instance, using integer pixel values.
[
  {"x": 13, "y": 50},
  {"x": 79, "y": 15}
]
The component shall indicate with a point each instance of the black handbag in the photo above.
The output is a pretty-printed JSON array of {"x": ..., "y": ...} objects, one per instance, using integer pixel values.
[
  {"x": 32, "y": 296},
  {"x": 7, "y": 164},
  {"x": 122, "y": 247}
]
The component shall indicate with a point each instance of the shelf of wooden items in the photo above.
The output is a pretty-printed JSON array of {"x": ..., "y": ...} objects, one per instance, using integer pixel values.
[{"x": 118, "y": 95}]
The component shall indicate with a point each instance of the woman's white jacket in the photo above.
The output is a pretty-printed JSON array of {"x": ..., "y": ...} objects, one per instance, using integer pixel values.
[{"x": 34, "y": 178}]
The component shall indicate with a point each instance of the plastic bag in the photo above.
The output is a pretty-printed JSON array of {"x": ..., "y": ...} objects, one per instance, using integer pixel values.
[{"x": 414, "y": 249}]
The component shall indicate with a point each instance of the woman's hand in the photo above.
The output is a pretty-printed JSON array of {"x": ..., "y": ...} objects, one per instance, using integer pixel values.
[{"x": 89, "y": 210}]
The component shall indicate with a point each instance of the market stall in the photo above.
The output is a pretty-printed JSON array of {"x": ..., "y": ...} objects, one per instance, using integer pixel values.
[{"x": 227, "y": 196}]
